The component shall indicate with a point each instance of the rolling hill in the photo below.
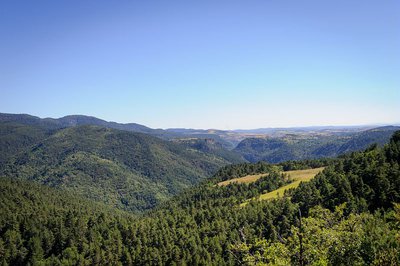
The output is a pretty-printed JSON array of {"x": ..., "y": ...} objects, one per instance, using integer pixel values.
[
  {"x": 15, "y": 137},
  {"x": 129, "y": 170}
]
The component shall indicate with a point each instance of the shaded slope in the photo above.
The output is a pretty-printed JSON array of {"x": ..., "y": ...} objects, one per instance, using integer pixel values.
[
  {"x": 362, "y": 140},
  {"x": 260, "y": 149},
  {"x": 15, "y": 138},
  {"x": 211, "y": 146}
]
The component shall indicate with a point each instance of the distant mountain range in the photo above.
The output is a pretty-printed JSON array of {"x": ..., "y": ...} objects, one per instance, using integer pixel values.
[
  {"x": 79, "y": 120},
  {"x": 311, "y": 146},
  {"x": 228, "y": 138},
  {"x": 234, "y": 137}
]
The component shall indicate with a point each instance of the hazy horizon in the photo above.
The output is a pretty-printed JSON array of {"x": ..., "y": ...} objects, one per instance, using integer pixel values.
[{"x": 224, "y": 65}]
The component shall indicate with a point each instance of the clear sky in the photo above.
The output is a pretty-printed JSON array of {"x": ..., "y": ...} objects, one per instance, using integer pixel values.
[{"x": 203, "y": 64}]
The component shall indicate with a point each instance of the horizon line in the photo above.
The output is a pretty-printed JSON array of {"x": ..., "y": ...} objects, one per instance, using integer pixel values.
[{"x": 221, "y": 129}]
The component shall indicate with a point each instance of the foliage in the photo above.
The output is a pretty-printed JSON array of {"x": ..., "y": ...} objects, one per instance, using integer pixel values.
[
  {"x": 329, "y": 238},
  {"x": 42, "y": 226}
]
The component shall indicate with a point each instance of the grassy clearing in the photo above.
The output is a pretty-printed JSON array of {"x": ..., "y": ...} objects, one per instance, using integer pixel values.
[
  {"x": 297, "y": 177},
  {"x": 246, "y": 179},
  {"x": 303, "y": 175}
]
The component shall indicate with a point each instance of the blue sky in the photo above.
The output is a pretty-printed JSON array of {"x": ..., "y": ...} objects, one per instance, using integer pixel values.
[{"x": 203, "y": 64}]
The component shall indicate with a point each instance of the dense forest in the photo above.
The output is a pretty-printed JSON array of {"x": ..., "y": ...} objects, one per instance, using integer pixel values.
[
  {"x": 128, "y": 170},
  {"x": 346, "y": 215}
]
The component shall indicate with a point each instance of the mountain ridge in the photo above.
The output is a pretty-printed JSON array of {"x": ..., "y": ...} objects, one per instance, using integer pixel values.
[
  {"x": 298, "y": 147},
  {"x": 230, "y": 138}
]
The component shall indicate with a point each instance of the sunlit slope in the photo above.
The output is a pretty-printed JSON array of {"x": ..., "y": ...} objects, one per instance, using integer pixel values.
[
  {"x": 297, "y": 176},
  {"x": 246, "y": 179}
]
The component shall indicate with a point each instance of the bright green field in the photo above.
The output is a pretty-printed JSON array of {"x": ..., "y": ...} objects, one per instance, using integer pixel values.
[{"x": 297, "y": 176}]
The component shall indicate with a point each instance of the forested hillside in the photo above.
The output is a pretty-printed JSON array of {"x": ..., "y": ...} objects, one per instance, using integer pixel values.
[
  {"x": 81, "y": 120},
  {"x": 15, "y": 137},
  {"x": 128, "y": 170},
  {"x": 347, "y": 215},
  {"x": 42, "y": 226}
]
